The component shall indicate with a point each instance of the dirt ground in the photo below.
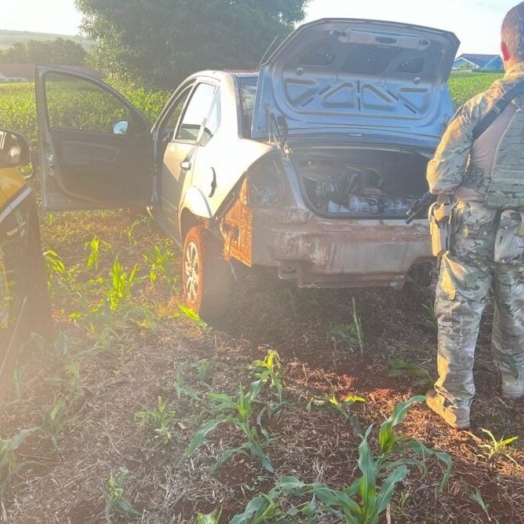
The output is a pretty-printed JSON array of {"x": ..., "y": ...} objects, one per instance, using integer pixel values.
[{"x": 81, "y": 398}]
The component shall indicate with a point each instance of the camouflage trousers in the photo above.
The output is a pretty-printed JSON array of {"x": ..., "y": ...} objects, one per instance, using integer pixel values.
[{"x": 467, "y": 273}]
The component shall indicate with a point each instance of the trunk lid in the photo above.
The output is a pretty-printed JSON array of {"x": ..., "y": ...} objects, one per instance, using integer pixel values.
[{"x": 356, "y": 76}]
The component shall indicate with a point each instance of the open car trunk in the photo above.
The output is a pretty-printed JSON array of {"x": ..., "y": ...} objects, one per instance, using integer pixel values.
[{"x": 361, "y": 183}]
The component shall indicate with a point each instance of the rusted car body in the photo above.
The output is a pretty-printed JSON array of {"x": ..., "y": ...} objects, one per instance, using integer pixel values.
[{"x": 307, "y": 166}]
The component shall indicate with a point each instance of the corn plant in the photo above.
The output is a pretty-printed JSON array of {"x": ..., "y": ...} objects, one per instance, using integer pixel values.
[
  {"x": 204, "y": 369},
  {"x": 333, "y": 405},
  {"x": 55, "y": 422},
  {"x": 476, "y": 496},
  {"x": 238, "y": 412},
  {"x": 496, "y": 447},
  {"x": 116, "y": 503},
  {"x": 180, "y": 386},
  {"x": 9, "y": 464},
  {"x": 160, "y": 260},
  {"x": 159, "y": 419},
  {"x": 400, "y": 368},
  {"x": 366, "y": 499},
  {"x": 210, "y": 518},
  {"x": 269, "y": 371},
  {"x": 94, "y": 251},
  {"x": 188, "y": 313},
  {"x": 122, "y": 283}
]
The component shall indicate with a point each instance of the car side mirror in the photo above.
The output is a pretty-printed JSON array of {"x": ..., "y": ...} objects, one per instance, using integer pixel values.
[
  {"x": 121, "y": 128},
  {"x": 14, "y": 149}
]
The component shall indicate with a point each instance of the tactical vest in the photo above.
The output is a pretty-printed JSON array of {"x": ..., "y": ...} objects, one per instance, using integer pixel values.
[{"x": 506, "y": 187}]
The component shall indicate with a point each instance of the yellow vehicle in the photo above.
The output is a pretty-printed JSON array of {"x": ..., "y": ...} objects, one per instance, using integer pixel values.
[{"x": 24, "y": 303}]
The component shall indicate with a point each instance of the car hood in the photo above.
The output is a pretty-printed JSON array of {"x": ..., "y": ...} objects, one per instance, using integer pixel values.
[{"x": 334, "y": 73}]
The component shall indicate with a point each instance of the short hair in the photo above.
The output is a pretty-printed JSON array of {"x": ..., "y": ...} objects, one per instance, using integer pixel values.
[{"x": 513, "y": 32}]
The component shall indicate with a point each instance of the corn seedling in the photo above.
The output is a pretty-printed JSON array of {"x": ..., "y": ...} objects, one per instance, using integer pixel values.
[
  {"x": 55, "y": 422},
  {"x": 365, "y": 500},
  {"x": 401, "y": 368},
  {"x": 476, "y": 496},
  {"x": 204, "y": 369},
  {"x": 122, "y": 283},
  {"x": 94, "y": 252},
  {"x": 496, "y": 447},
  {"x": 116, "y": 503},
  {"x": 159, "y": 419},
  {"x": 430, "y": 320},
  {"x": 238, "y": 412},
  {"x": 160, "y": 260},
  {"x": 269, "y": 371},
  {"x": 181, "y": 388},
  {"x": 9, "y": 464},
  {"x": 191, "y": 315},
  {"x": 333, "y": 405},
  {"x": 211, "y": 518}
]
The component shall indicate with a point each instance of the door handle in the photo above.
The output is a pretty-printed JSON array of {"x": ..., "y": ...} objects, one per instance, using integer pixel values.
[{"x": 185, "y": 165}]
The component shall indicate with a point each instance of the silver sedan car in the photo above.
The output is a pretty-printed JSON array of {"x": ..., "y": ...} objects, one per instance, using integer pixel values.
[{"x": 307, "y": 166}]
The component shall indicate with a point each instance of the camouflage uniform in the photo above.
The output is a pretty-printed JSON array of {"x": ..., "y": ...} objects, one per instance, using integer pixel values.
[{"x": 468, "y": 270}]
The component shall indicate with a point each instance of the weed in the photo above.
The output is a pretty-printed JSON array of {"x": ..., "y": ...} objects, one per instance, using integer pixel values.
[
  {"x": 496, "y": 447},
  {"x": 351, "y": 334},
  {"x": 159, "y": 419},
  {"x": 116, "y": 503},
  {"x": 401, "y": 368}
]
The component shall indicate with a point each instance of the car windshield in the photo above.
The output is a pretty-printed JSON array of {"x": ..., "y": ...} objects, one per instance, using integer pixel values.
[{"x": 248, "y": 89}]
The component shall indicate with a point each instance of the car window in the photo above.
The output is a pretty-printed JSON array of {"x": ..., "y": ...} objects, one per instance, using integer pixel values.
[
  {"x": 78, "y": 104},
  {"x": 195, "y": 113},
  {"x": 170, "y": 123},
  {"x": 212, "y": 122},
  {"x": 248, "y": 90}
]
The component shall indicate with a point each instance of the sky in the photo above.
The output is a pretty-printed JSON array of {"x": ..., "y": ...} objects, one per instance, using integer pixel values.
[{"x": 475, "y": 22}]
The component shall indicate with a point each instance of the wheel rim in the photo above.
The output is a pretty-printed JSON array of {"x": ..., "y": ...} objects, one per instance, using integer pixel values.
[{"x": 192, "y": 272}]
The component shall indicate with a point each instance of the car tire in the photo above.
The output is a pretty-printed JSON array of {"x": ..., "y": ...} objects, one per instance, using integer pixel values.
[{"x": 206, "y": 276}]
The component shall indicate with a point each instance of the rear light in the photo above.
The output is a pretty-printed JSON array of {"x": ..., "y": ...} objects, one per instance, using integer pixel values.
[{"x": 265, "y": 184}]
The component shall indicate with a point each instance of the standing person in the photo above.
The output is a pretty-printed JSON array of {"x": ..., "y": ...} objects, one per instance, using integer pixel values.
[{"x": 480, "y": 161}]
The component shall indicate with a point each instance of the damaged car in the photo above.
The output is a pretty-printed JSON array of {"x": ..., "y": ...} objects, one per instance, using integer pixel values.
[{"x": 307, "y": 166}]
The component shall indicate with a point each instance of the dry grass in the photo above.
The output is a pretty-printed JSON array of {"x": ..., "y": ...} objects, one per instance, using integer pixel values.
[{"x": 97, "y": 432}]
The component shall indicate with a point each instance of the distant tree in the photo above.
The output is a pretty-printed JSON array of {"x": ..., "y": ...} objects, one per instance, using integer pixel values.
[
  {"x": 160, "y": 42},
  {"x": 50, "y": 52}
]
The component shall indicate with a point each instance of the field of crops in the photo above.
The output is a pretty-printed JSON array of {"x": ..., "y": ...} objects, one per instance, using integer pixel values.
[
  {"x": 17, "y": 101},
  {"x": 299, "y": 406}
]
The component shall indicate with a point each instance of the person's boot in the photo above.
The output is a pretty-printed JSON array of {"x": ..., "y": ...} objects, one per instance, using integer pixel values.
[
  {"x": 512, "y": 388},
  {"x": 456, "y": 417}
]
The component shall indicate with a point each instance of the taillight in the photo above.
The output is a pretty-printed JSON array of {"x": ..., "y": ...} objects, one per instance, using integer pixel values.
[{"x": 264, "y": 184}]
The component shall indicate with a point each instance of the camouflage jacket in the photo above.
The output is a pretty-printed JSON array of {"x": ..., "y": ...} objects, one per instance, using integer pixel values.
[{"x": 451, "y": 167}]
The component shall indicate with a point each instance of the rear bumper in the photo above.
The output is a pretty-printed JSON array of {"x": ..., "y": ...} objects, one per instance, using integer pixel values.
[{"x": 340, "y": 253}]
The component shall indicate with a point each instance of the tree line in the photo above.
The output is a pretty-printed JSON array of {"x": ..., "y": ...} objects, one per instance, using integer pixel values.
[
  {"x": 158, "y": 43},
  {"x": 60, "y": 51}
]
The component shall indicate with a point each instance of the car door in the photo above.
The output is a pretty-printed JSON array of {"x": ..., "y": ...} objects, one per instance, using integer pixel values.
[
  {"x": 182, "y": 129},
  {"x": 95, "y": 148}
]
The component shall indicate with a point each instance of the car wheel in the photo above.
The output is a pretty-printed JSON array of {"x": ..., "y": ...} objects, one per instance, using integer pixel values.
[{"x": 206, "y": 276}]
